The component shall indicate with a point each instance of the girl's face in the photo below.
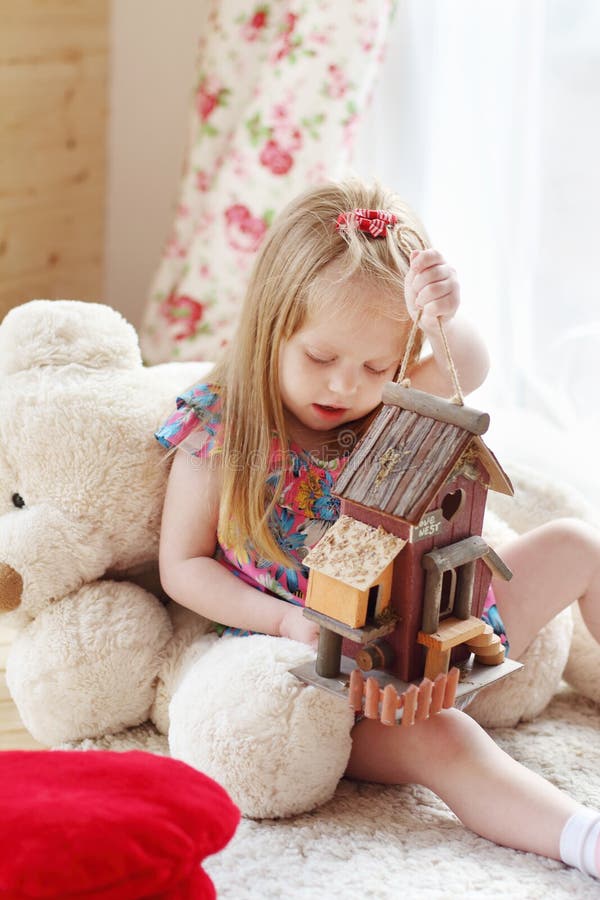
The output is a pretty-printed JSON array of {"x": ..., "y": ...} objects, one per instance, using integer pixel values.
[{"x": 333, "y": 369}]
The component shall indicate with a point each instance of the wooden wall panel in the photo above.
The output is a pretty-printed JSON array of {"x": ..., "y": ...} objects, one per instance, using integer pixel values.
[{"x": 53, "y": 116}]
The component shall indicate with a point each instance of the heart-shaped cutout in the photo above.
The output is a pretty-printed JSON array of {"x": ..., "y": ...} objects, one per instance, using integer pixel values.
[{"x": 452, "y": 503}]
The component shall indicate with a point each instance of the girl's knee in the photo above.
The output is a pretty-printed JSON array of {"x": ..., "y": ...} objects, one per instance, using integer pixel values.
[
  {"x": 574, "y": 534},
  {"x": 449, "y": 734},
  {"x": 460, "y": 746}
]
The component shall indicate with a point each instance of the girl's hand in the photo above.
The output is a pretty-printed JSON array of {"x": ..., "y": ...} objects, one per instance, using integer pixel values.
[
  {"x": 431, "y": 286},
  {"x": 296, "y": 626}
]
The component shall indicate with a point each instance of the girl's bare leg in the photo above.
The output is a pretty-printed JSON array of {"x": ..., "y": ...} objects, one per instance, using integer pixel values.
[
  {"x": 553, "y": 566},
  {"x": 489, "y": 792}
]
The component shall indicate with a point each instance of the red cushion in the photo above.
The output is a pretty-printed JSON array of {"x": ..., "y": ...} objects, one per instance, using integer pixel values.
[{"x": 119, "y": 826}]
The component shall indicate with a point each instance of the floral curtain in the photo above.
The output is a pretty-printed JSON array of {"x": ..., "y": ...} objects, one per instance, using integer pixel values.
[{"x": 279, "y": 92}]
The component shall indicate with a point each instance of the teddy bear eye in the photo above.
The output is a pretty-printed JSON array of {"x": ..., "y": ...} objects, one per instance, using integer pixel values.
[{"x": 18, "y": 501}]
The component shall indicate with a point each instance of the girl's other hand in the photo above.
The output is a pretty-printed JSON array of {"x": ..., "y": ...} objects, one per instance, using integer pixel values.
[
  {"x": 296, "y": 626},
  {"x": 431, "y": 285}
]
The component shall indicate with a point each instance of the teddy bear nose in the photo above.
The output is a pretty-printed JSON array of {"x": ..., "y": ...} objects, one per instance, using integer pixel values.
[{"x": 11, "y": 588}]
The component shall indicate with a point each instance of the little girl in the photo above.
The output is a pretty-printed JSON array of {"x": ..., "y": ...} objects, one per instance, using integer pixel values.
[{"x": 341, "y": 277}]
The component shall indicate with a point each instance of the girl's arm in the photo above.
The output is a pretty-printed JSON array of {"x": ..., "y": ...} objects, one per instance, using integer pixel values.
[
  {"x": 432, "y": 290},
  {"x": 469, "y": 355},
  {"x": 190, "y": 575}
]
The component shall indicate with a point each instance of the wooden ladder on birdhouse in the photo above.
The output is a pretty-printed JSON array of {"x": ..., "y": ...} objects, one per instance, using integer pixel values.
[{"x": 487, "y": 647}]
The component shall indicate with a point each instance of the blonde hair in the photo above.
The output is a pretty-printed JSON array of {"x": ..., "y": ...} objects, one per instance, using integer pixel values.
[{"x": 283, "y": 290}]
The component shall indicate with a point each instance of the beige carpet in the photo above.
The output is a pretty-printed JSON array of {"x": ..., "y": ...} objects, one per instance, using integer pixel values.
[{"x": 402, "y": 842}]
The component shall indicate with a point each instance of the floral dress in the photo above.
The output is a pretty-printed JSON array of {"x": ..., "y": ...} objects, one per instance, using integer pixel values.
[{"x": 304, "y": 510}]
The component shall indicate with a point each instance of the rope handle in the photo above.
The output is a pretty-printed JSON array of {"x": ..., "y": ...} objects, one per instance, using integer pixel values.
[{"x": 458, "y": 398}]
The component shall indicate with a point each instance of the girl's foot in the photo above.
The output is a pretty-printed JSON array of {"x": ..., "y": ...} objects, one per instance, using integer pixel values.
[{"x": 580, "y": 842}]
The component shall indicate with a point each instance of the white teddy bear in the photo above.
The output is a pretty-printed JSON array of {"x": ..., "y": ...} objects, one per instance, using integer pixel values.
[{"x": 97, "y": 650}]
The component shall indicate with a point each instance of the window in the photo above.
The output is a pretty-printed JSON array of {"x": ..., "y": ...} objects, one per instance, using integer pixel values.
[
  {"x": 485, "y": 119},
  {"x": 448, "y": 593}
]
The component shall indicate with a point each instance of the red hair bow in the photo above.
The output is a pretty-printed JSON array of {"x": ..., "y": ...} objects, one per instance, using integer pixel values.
[{"x": 373, "y": 221}]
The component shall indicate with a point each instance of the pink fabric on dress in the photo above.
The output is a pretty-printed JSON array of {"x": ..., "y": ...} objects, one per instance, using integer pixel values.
[{"x": 305, "y": 508}]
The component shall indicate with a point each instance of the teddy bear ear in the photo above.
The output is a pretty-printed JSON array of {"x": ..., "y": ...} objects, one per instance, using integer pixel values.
[{"x": 59, "y": 332}]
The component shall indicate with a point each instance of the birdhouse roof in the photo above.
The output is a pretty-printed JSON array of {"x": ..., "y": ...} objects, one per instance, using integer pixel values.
[
  {"x": 354, "y": 553},
  {"x": 407, "y": 454}
]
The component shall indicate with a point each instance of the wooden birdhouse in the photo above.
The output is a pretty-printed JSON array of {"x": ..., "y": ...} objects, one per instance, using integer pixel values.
[{"x": 404, "y": 573}]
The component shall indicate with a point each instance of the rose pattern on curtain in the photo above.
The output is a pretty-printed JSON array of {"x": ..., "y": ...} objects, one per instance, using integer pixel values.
[{"x": 279, "y": 91}]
